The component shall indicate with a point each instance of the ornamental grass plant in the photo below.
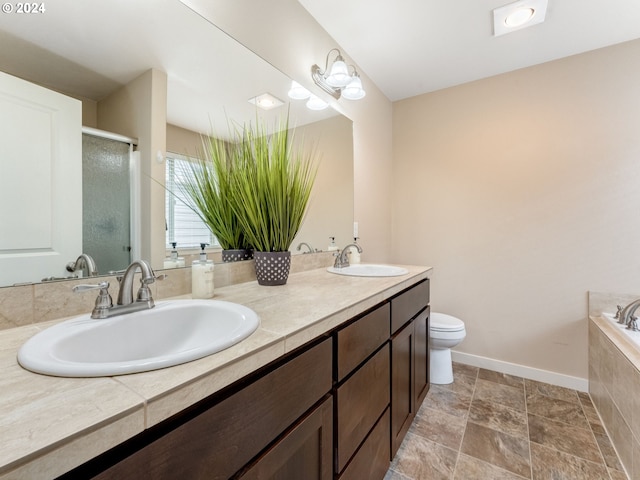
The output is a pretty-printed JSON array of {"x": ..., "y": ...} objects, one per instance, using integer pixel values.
[
  {"x": 272, "y": 187},
  {"x": 208, "y": 190}
]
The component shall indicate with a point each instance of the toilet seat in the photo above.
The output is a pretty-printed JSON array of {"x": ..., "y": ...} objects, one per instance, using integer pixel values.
[{"x": 441, "y": 322}]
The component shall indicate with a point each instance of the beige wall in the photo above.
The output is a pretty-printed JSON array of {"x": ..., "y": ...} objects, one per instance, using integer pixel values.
[
  {"x": 183, "y": 141},
  {"x": 523, "y": 192},
  {"x": 293, "y": 46},
  {"x": 139, "y": 110},
  {"x": 330, "y": 211}
]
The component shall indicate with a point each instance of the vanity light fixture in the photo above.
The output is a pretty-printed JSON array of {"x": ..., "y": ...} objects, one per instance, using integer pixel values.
[
  {"x": 316, "y": 103},
  {"x": 298, "y": 92},
  {"x": 518, "y": 15},
  {"x": 337, "y": 81},
  {"x": 266, "y": 101}
]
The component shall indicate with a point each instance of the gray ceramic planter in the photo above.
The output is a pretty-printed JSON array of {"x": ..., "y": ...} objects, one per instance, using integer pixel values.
[{"x": 272, "y": 268}]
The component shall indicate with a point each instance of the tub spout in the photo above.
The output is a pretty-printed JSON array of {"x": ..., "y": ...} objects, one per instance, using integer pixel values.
[{"x": 627, "y": 315}]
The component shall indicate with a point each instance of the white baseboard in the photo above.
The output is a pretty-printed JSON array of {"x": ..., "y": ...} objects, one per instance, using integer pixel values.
[{"x": 575, "y": 383}]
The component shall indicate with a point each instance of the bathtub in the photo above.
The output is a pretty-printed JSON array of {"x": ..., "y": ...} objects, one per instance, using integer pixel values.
[
  {"x": 614, "y": 377},
  {"x": 630, "y": 334}
]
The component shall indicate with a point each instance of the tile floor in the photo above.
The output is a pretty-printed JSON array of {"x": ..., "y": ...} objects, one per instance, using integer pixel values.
[{"x": 491, "y": 426}]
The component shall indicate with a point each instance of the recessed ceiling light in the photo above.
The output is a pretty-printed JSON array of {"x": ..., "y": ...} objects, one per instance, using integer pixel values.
[
  {"x": 518, "y": 15},
  {"x": 266, "y": 101}
]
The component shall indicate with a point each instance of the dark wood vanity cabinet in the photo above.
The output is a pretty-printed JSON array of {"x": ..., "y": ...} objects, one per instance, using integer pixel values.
[
  {"x": 362, "y": 393},
  {"x": 338, "y": 408},
  {"x": 409, "y": 359},
  {"x": 228, "y": 440}
]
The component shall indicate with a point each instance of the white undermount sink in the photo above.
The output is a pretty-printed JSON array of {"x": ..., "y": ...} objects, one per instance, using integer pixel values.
[
  {"x": 171, "y": 333},
  {"x": 369, "y": 270}
]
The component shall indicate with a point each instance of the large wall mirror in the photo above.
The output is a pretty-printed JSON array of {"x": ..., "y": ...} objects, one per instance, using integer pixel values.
[{"x": 95, "y": 51}]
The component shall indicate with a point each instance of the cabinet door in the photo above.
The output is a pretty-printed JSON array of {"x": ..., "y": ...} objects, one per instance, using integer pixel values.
[
  {"x": 360, "y": 402},
  {"x": 372, "y": 460},
  {"x": 402, "y": 385},
  {"x": 304, "y": 452},
  {"x": 421, "y": 357}
]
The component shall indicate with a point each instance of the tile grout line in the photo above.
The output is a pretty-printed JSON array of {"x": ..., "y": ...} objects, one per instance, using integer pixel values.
[
  {"x": 466, "y": 423},
  {"x": 526, "y": 416},
  {"x": 596, "y": 440}
]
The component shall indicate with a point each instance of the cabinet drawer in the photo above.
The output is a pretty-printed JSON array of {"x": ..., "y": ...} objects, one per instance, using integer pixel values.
[
  {"x": 360, "y": 339},
  {"x": 224, "y": 438},
  {"x": 407, "y": 305},
  {"x": 361, "y": 400},
  {"x": 372, "y": 460}
]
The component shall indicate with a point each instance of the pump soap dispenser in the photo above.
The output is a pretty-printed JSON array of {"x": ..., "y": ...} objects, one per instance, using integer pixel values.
[
  {"x": 202, "y": 276},
  {"x": 172, "y": 260},
  {"x": 355, "y": 254}
]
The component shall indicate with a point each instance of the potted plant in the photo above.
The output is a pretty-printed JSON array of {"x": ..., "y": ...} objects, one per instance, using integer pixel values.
[
  {"x": 272, "y": 187},
  {"x": 207, "y": 188}
]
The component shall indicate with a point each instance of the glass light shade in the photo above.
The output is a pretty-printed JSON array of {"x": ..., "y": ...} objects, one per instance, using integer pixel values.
[
  {"x": 339, "y": 74},
  {"x": 315, "y": 103},
  {"x": 354, "y": 90},
  {"x": 298, "y": 92}
]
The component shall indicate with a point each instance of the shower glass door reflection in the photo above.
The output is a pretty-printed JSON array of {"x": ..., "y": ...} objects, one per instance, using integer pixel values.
[{"x": 106, "y": 202}]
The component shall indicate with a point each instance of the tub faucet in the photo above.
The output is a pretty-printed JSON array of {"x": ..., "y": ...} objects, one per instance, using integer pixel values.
[
  {"x": 83, "y": 261},
  {"x": 342, "y": 259},
  {"x": 626, "y": 315}
]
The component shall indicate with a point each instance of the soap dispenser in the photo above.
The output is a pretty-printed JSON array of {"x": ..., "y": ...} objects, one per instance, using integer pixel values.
[
  {"x": 172, "y": 260},
  {"x": 202, "y": 276},
  {"x": 355, "y": 254},
  {"x": 332, "y": 245},
  {"x": 174, "y": 254}
]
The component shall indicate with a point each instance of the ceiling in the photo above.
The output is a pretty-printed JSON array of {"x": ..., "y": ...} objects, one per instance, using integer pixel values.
[
  {"x": 410, "y": 47},
  {"x": 406, "y": 47}
]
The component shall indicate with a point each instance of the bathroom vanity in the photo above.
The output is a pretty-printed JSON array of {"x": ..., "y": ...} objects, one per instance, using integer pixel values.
[{"x": 326, "y": 388}]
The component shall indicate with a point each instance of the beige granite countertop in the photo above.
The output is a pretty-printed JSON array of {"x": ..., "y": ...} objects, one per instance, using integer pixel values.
[{"x": 49, "y": 425}]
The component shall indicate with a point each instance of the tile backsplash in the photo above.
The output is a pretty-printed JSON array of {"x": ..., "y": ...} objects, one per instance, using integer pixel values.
[{"x": 41, "y": 302}]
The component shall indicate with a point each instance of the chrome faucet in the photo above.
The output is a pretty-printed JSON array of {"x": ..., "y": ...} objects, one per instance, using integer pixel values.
[
  {"x": 104, "y": 307},
  {"x": 626, "y": 316},
  {"x": 342, "y": 259},
  {"x": 125, "y": 295},
  {"x": 299, "y": 247},
  {"x": 83, "y": 261}
]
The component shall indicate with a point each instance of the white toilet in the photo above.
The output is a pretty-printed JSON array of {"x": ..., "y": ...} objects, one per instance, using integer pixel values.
[{"x": 445, "y": 332}]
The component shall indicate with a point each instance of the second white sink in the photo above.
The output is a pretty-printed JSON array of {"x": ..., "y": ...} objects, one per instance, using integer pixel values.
[
  {"x": 369, "y": 270},
  {"x": 171, "y": 333}
]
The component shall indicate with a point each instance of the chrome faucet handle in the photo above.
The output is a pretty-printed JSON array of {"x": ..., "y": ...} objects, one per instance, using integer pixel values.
[
  {"x": 92, "y": 286},
  {"x": 618, "y": 311},
  {"x": 633, "y": 324},
  {"x": 103, "y": 302}
]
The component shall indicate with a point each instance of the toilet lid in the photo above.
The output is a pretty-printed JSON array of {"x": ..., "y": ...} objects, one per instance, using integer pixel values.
[{"x": 445, "y": 323}]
